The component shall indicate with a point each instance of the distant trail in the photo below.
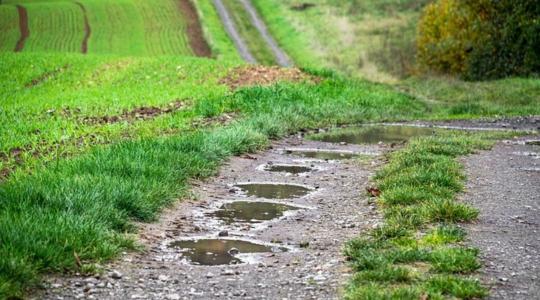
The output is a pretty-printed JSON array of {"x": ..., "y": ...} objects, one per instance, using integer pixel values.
[
  {"x": 194, "y": 31},
  {"x": 280, "y": 55},
  {"x": 87, "y": 30},
  {"x": 233, "y": 32},
  {"x": 23, "y": 24}
]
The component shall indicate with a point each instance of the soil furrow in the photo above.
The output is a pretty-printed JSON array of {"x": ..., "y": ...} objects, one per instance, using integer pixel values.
[
  {"x": 87, "y": 29},
  {"x": 281, "y": 57},
  {"x": 194, "y": 31},
  {"x": 231, "y": 29},
  {"x": 23, "y": 24}
]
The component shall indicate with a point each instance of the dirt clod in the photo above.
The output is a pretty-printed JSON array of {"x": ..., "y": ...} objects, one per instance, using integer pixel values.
[{"x": 264, "y": 75}]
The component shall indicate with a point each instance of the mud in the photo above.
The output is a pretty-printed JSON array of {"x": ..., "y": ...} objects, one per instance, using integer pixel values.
[
  {"x": 194, "y": 30},
  {"x": 23, "y": 25},
  {"x": 139, "y": 113},
  {"x": 291, "y": 169},
  {"x": 87, "y": 29},
  {"x": 313, "y": 266}
]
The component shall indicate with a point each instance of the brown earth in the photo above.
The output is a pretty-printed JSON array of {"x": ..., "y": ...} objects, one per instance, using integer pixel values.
[
  {"x": 194, "y": 30},
  {"x": 139, "y": 113},
  {"x": 264, "y": 75},
  {"x": 87, "y": 30},
  {"x": 23, "y": 24},
  {"x": 45, "y": 76}
]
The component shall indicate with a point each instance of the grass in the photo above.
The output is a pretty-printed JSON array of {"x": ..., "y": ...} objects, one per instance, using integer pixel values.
[
  {"x": 418, "y": 252},
  {"x": 252, "y": 37},
  {"x": 9, "y": 27},
  {"x": 85, "y": 204},
  {"x": 375, "y": 40},
  {"x": 52, "y": 103},
  {"x": 123, "y": 27},
  {"x": 57, "y": 26}
]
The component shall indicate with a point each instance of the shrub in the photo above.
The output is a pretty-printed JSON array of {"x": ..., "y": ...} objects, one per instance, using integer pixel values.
[{"x": 481, "y": 39}]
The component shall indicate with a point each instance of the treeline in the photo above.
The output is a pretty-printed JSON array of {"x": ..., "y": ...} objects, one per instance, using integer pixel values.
[{"x": 480, "y": 39}]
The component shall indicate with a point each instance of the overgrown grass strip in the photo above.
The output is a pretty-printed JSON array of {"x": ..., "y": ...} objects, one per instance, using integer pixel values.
[{"x": 418, "y": 253}]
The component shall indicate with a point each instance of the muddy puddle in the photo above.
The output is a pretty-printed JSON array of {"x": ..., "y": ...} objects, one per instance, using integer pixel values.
[
  {"x": 212, "y": 252},
  {"x": 291, "y": 169},
  {"x": 250, "y": 212},
  {"x": 373, "y": 134},
  {"x": 321, "y": 154},
  {"x": 273, "y": 190}
]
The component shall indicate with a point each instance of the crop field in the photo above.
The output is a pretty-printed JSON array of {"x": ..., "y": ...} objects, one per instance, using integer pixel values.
[{"x": 125, "y": 27}]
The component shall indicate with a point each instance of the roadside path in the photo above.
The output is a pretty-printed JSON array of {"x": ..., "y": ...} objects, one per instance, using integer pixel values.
[
  {"x": 281, "y": 57},
  {"x": 231, "y": 29},
  {"x": 504, "y": 184},
  {"x": 335, "y": 210}
]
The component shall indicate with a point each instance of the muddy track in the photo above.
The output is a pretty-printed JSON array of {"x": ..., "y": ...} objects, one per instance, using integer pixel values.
[
  {"x": 23, "y": 24},
  {"x": 310, "y": 264},
  {"x": 281, "y": 57},
  {"x": 87, "y": 29},
  {"x": 194, "y": 31},
  {"x": 231, "y": 29}
]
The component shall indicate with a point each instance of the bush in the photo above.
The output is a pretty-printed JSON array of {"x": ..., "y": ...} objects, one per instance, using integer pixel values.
[{"x": 482, "y": 39}]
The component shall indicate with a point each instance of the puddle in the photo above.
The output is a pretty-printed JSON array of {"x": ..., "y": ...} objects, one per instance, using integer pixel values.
[
  {"x": 212, "y": 252},
  {"x": 273, "y": 190},
  {"x": 322, "y": 154},
  {"x": 292, "y": 169},
  {"x": 251, "y": 212},
  {"x": 373, "y": 134},
  {"x": 532, "y": 142}
]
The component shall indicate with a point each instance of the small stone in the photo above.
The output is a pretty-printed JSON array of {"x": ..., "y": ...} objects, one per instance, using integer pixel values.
[
  {"x": 209, "y": 275},
  {"x": 173, "y": 297},
  {"x": 115, "y": 274},
  {"x": 319, "y": 278},
  {"x": 163, "y": 278},
  {"x": 227, "y": 272},
  {"x": 223, "y": 233},
  {"x": 233, "y": 251}
]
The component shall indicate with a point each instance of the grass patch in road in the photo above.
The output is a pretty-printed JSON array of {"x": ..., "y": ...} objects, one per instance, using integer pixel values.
[
  {"x": 421, "y": 216},
  {"x": 218, "y": 39},
  {"x": 252, "y": 37},
  {"x": 85, "y": 205}
]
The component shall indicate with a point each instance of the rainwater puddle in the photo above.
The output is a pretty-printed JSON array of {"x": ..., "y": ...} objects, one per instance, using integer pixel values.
[
  {"x": 273, "y": 190},
  {"x": 322, "y": 154},
  {"x": 251, "y": 212},
  {"x": 532, "y": 142},
  {"x": 292, "y": 169},
  {"x": 212, "y": 252},
  {"x": 373, "y": 134}
]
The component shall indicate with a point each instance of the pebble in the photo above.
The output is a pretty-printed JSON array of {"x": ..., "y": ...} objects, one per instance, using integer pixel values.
[{"x": 116, "y": 275}]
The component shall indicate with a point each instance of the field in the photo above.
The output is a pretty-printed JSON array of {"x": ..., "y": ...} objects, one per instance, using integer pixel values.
[
  {"x": 126, "y": 27},
  {"x": 110, "y": 110}
]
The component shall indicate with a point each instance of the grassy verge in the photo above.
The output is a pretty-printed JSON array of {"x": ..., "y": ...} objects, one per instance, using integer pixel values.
[
  {"x": 83, "y": 207},
  {"x": 418, "y": 252}
]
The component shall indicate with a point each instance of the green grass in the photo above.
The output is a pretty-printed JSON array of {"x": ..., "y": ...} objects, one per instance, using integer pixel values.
[
  {"x": 55, "y": 27},
  {"x": 418, "y": 250},
  {"x": 123, "y": 27},
  {"x": 9, "y": 27},
  {"x": 253, "y": 39}
]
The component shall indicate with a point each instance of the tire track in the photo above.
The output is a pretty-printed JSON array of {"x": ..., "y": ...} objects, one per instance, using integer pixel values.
[
  {"x": 23, "y": 24},
  {"x": 231, "y": 29},
  {"x": 87, "y": 29},
  {"x": 194, "y": 31},
  {"x": 281, "y": 57}
]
